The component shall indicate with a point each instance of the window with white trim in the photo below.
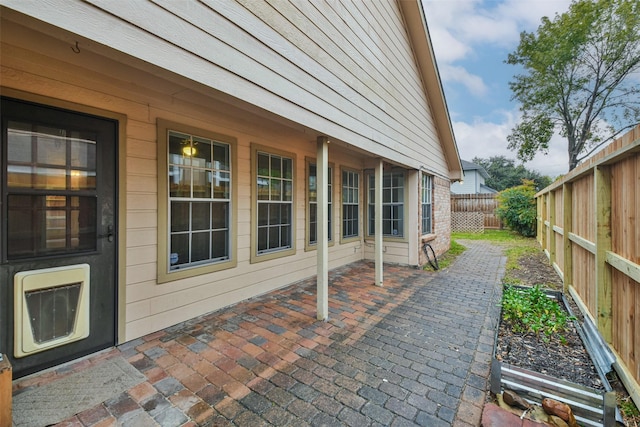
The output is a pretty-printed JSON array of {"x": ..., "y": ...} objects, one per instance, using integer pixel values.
[
  {"x": 274, "y": 195},
  {"x": 199, "y": 193},
  {"x": 427, "y": 205},
  {"x": 312, "y": 204},
  {"x": 350, "y": 204},
  {"x": 392, "y": 204}
]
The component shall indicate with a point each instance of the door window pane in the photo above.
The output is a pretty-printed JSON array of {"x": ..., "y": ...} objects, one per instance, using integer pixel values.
[
  {"x": 47, "y": 158},
  {"x": 45, "y": 225}
]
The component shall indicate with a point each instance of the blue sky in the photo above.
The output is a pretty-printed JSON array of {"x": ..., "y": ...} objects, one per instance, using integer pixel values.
[{"x": 472, "y": 39}]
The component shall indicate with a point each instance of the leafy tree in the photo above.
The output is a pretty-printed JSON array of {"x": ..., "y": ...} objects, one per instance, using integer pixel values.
[
  {"x": 517, "y": 208},
  {"x": 503, "y": 173},
  {"x": 577, "y": 78}
]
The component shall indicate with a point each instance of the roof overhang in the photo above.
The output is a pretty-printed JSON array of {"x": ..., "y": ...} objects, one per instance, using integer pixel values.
[{"x": 416, "y": 22}]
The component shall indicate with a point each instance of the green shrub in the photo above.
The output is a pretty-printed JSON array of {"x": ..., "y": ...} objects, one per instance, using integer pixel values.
[
  {"x": 517, "y": 208},
  {"x": 530, "y": 310}
]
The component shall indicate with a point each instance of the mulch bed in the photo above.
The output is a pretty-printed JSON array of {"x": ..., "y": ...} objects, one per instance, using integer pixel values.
[{"x": 567, "y": 360}]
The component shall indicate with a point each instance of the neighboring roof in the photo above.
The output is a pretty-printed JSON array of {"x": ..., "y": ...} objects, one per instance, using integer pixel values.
[
  {"x": 414, "y": 16},
  {"x": 468, "y": 166},
  {"x": 487, "y": 189}
]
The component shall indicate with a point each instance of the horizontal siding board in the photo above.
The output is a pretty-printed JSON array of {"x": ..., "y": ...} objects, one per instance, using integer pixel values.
[
  {"x": 153, "y": 49},
  {"x": 324, "y": 56},
  {"x": 182, "y": 299},
  {"x": 404, "y": 97}
]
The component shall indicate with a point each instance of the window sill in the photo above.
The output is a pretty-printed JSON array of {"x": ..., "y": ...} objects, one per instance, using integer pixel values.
[
  {"x": 178, "y": 274},
  {"x": 429, "y": 237}
]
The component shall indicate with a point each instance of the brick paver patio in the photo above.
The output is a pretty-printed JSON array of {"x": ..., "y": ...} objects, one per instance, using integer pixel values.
[{"x": 414, "y": 352}]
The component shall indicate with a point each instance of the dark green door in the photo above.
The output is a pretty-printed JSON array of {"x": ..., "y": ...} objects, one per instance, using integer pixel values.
[{"x": 58, "y": 241}]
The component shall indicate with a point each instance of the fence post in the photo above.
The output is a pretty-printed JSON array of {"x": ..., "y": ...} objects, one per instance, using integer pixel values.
[
  {"x": 567, "y": 225},
  {"x": 602, "y": 188},
  {"x": 5, "y": 391},
  {"x": 552, "y": 233}
]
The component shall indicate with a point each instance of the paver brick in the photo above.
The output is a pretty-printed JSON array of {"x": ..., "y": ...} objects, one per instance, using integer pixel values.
[{"x": 415, "y": 351}]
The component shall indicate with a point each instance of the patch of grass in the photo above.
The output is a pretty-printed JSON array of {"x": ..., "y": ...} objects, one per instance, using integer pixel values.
[
  {"x": 448, "y": 257},
  {"x": 514, "y": 253},
  {"x": 499, "y": 236},
  {"x": 516, "y": 246},
  {"x": 629, "y": 410}
]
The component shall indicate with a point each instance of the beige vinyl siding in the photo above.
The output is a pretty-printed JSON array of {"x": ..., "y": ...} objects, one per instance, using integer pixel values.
[
  {"x": 356, "y": 82},
  {"x": 358, "y": 107},
  {"x": 150, "y": 306}
]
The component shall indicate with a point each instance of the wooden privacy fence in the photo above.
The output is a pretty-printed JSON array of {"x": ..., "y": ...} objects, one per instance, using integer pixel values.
[
  {"x": 464, "y": 209},
  {"x": 588, "y": 227}
]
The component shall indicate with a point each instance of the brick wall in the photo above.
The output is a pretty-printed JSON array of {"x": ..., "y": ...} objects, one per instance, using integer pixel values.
[{"x": 441, "y": 218}]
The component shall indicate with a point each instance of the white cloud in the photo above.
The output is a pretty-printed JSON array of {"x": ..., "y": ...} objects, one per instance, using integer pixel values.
[
  {"x": 457, "y": 26},
  {"x": 486, "y": 139},
  {"x": 468, "y": 29},
  {"x": 472, "y": 82}
]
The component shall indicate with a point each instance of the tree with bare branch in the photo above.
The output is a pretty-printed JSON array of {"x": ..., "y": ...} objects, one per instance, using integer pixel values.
[{"x": 580, "y": 77}]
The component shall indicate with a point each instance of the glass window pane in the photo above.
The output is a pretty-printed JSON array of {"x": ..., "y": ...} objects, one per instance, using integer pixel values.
[
  {"x": 276, "y": 189},
  {"x": 179, "y": 182},
  {"x": 263, "y": 214},
  {"x": 82, "y": 180},
  {"x": 201, "y": 184},
  {"x": 201, "y": 153},
  {"x": 19, "y": 142},
  {"x": 219, "y": 216},
  {"x": 287, "y": 168},
  {"x": 221, "y": 157},
  {"x": 56, "y": 228},
  {"x": 285, "y": 236},
  {"x": 179, "y": 216},
  {"x": 274, "y": 214},
  {"x": 19, "y": 176},
  {"x": 50, "y": 178},
  {"x": 179, "y": 252},
  {"x": 22, "y": 232},
  {"x": 274, "y": 237},
  {"x": 200, "y": 216},
  {"x": 263, "y": 164},
  {"x": 262, "y": 238},
  {"x": 285, "y": 214},
  {"x": 219, "y": 244},
  {"x": 263, "y": 189},
  {"x": 41, "y": 225},
  {"x": 276, "y": 167},
  {"x": 83, "y": 154},
  {"x": 51, "y": 146},
  {"x": 200, "y": 244},
  {"x": 179, "y": 147},
  {"x": 287, "y": 196},
  {"x": 221, "y": 182}
]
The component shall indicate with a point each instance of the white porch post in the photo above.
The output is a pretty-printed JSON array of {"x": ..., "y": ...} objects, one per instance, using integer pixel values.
[
  {"x": 322, "y": 246},
  {"x": 378, "y": 223}
]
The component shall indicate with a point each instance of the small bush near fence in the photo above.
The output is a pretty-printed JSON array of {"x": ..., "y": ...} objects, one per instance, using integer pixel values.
[{"x": 517, "y": 208}]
